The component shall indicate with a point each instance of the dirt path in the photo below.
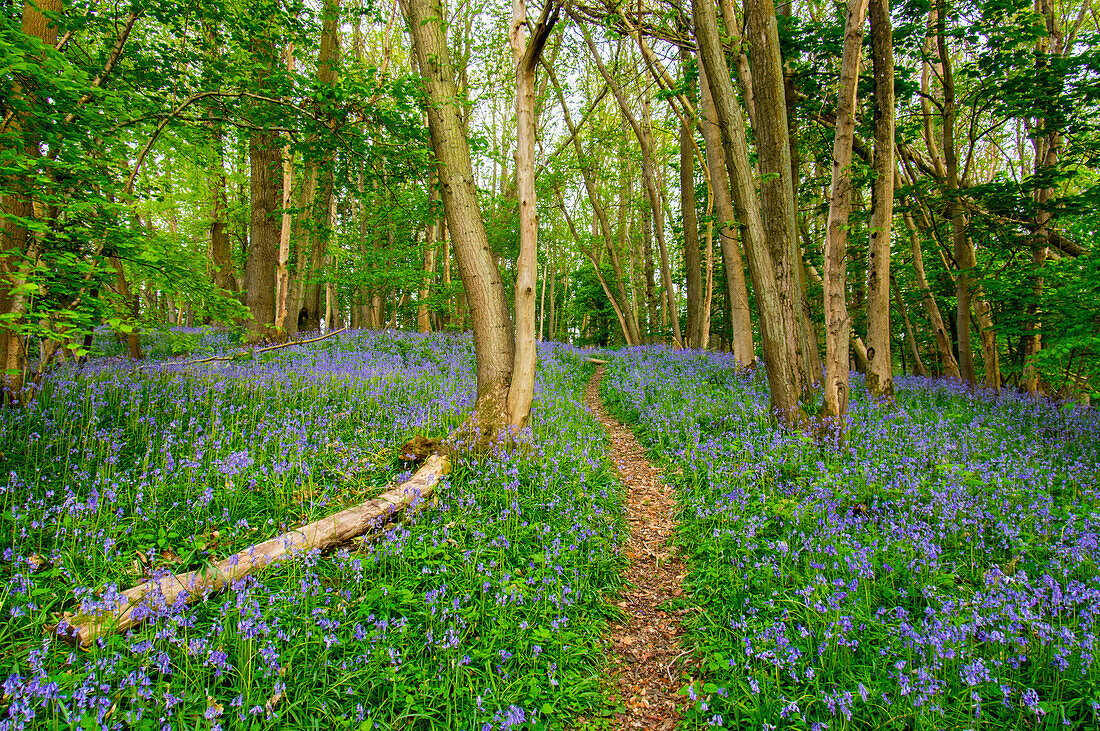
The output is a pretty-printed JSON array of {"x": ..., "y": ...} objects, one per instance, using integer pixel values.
[{"x": 649, "y": 660}]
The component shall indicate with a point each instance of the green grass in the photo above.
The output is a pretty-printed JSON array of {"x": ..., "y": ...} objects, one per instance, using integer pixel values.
[{"x": 487, "y": 607}]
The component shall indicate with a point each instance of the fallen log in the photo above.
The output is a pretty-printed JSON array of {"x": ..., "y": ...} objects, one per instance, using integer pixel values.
[
  {"x": 129, "y": 609},
  {"x": 243, "y": 353}
]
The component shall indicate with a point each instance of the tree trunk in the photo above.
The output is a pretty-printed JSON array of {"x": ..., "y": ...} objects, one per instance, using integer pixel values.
[
  {"x": 779, "y": 362},
  {"x": 811, "y": 355},
  {"x": 918, "y": 364},
  {"x": 221, "y": 247},
  {"x": 777, "y": 189},
  {"x": 940, "y": 335},
  {"x": 552, "y": 330},
  {"x": 320, "y": 172},
  {"x": 282, "y": 276},
  {"x": 621, "y": 303},
  {"x": 493, "y": 342},
  {"x": 859, "y": 350},
  {"x": 263, "y": 250},
  {"x": 423, "y": 316},
  {"x": 300, "y": 316},
  {"x": 19, "y": 247},
  {"x": 964, "y": 252},
  {"x": 741, "y": 60},
  {"x": 744, "y": 351},
  {"x": 653, "y": 305},
  {"x": 133, "y": 336},
  {"x": 1046, "y": 143},
  {"x": 880, "y": 383},
  {"x": 629, "y": 301},
  {"x": 696, "y": 324},
  {"x": 541, "y": 329},
  {"x": 838, "y": 324},
  {"x": 330, "y": 531},
  {"x": 615, "y": 305},
  {"x": 650, "y": 177}
]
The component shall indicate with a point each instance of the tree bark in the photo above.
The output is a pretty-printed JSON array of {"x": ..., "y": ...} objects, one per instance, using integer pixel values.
[
  {"x": 282, "y": 276},
  {"x": 838, "y": 324},
  {"x": 779, "y": 362},
  {"x": 653, "y": 305},
  {"x": 941, "y": 336},
  {"x": 19, "y": 247},
  {"x": 628, "y": 299},
  {"x": 301, "y": 316},
  {"x": 620, "y": 315},
  {"x": 492, "y": 325},
  {"x": 696, "y": 324},
  {"x": 318, "y": 172},
  {"x": 777, "y": 188},
  {"x": 423, "y": 315},
  {"x": 552, "y": 329},
  {"x": 965, "y": 258},
  {"x": 133, "y": 337},
  {"x": 221, "y": 247},
  {"x": 918, "y": 364},
  {"x": 879, "y": 382},
  {"x": 263, "y": 249},
  {"x": 631, "y": 330},
  {"x": 1046, "y": 146},
  {"x": 541, "y": 329},
  {"x": 319, "y": 535},
  {"x": 744, "y": 351}
]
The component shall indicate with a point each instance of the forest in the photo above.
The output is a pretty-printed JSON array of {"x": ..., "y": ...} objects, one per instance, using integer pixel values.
[{"x": 412, "y": 364}]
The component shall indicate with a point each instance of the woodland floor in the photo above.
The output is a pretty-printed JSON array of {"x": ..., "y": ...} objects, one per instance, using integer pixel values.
[{"x": 649, "y": 664}]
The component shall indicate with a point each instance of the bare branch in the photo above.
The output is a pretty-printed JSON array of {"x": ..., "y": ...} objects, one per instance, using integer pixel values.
[{"x": 248, "y": 352}]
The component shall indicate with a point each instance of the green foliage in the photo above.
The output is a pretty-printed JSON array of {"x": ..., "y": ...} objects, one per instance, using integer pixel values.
[
  {"x": 490, "y": 601},
  {"x": 105, "y": 147},
  {"x": 918, "y": 577}
]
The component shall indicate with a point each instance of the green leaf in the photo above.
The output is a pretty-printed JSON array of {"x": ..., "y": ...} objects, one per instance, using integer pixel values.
[{"x": 25, "y": 288}]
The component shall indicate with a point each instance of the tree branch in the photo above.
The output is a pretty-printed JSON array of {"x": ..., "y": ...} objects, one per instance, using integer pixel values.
[
  {"x": 248, "y": 352},
  {"x": 112, "y": 61}
]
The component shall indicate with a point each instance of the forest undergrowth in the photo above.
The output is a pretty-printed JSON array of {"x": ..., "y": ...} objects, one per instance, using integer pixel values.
[
  {"x": 485, "y": 610},
  {"x": 937, "y": 572}
]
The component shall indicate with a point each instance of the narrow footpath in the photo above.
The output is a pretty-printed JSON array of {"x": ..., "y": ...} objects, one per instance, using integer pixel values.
[{"x": 648, "y": 663}]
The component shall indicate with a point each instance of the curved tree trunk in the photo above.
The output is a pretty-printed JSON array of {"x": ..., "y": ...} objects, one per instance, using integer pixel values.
[
  {"x": 649, "y": 175},
  {"x": 965, "y": 258},
  {"x": 1047, "y": 148},
  {"x": 918, "y": 363},
  {"x": 696, "y": 324},
  {"x": 492, "y": 324},
  {"x": 621, "y": 303},
  {"x": 941, "y": 336},
  {"x": 619, "y": 314}
]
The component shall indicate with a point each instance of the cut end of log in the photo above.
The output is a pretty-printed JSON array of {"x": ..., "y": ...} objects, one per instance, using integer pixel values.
[{"x": 419, "y": 448}]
